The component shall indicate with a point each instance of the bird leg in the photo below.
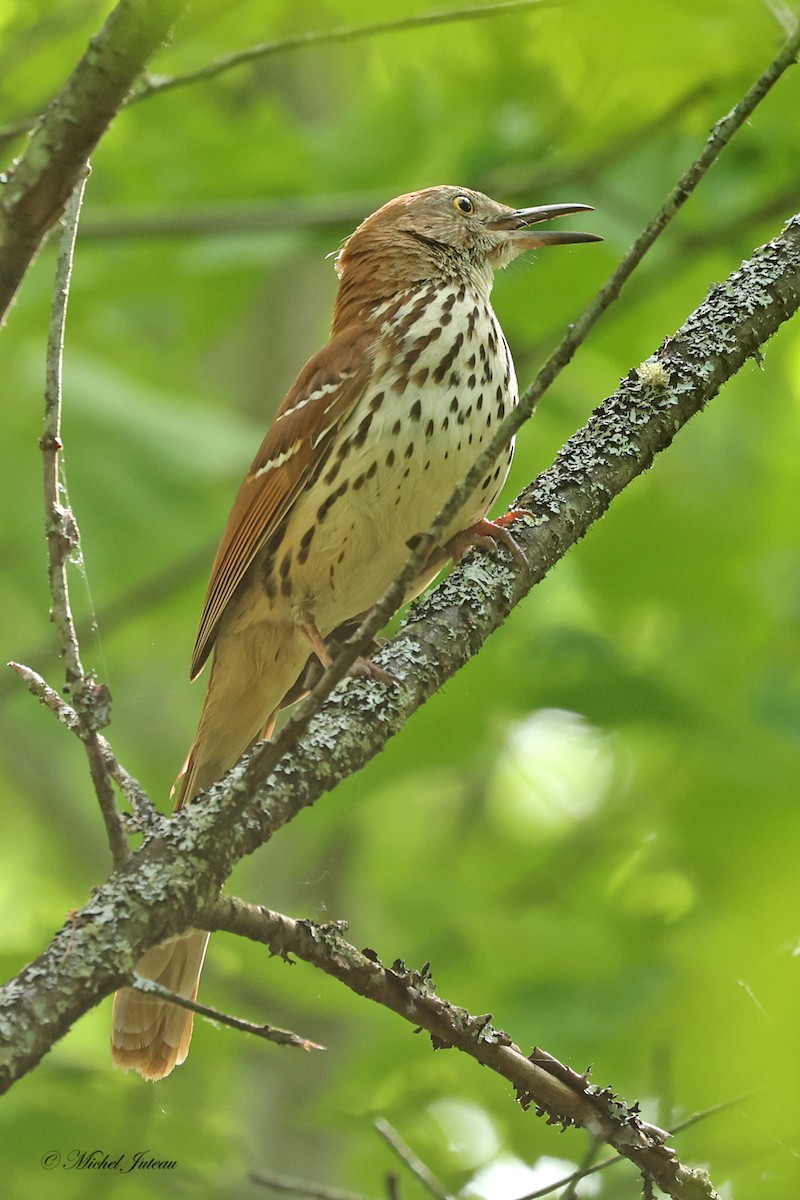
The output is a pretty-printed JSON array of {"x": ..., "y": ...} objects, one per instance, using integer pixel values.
[
  {"x": 487, "y": 534},
  {"x": 362, "y": 668}
]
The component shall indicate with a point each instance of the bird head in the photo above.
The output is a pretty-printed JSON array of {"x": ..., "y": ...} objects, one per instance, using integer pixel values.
[{"x": 444, "y": 233}]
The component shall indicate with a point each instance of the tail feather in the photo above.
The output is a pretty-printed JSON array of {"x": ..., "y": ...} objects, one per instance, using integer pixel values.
[{"x": 151, "y": 1035}]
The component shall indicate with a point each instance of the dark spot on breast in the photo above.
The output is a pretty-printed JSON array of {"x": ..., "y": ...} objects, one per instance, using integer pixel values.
[
  {"x": 416, "y": 410},
  {"x": 396, "y": 428},
  {"x": 376, "y": 401},
  {"x": 334, "y": 471},
  {"x": 390, "y": 458},
  {"x": 305, "y": 543},
  {"x": 361, "y": 433},
  {"x": 409, "y": 449},
  {"x": 449, "y": 358},
  {"x": 429, "y": 430},
  {"x": 421, "y": 376},
  {"x": 331, "y": 499}
]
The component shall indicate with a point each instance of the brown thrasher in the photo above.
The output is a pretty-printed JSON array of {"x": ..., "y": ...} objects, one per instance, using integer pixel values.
[{"x": 372, "y": 439}]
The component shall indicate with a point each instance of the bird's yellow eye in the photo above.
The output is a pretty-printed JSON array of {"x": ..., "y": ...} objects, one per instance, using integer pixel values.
[{"x": 464, "y": 205}]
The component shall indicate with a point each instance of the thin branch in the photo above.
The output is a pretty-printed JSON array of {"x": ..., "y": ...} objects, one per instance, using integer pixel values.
[
  {"x": 151, "y": 86},
  {"x": 410, "y": 1160},
  {"x": 147, "y": 817},
  {"x": 540, "y": 1080},
  {"x": 299, "y": 1187},
  {"x": 41, "y": 180},
  {"x": 265, "y": 758},
  {"x": 63, "y": 542},
  {"x": 270, "y": 1033},
  {"x": 63, "y": 538}
]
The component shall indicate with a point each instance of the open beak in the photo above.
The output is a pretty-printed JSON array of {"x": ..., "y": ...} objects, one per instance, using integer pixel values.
[{"x": 517, "y": 223}]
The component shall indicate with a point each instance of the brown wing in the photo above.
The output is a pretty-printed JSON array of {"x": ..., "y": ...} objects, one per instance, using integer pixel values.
[{"x": 321, "y": 397}]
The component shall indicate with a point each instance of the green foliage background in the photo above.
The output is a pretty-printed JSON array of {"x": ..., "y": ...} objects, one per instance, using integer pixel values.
[{"x": 593, "y": 832}]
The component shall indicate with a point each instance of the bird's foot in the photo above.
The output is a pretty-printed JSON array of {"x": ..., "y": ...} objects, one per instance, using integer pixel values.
[{"x": 486, "y": 534}]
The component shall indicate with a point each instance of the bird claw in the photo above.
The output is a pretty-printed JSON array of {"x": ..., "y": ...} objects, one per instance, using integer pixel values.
[
  {"x": 486, "y": 534},
  {"x": 365, "y": 668}
]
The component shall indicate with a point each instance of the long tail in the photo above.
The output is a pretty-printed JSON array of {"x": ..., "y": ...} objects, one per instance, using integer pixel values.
[{"x": 252, "y": 672}]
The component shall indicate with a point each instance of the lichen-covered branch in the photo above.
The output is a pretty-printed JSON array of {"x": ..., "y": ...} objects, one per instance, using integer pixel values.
[
  {"x": 178, "y": 871},
  {"x": 39, "y": 183}
]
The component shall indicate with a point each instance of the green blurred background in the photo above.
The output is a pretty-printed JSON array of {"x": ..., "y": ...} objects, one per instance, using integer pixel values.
[{"x": 593, "y": 832}]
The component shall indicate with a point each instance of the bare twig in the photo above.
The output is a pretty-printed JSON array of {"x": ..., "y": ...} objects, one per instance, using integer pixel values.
[
  {"x": 62, "y": 533},
  {"x": 409, "y": 1159},
  {"x": 540, "y": 1080},
  {"x": 270, "y": 1033},
  {"x": 63, "y": 543},
  {"x": 151, "y": 86},
  {"x": 299, "y": 1187},
  {"x": 268, "y": 754},
  {"x": 147, "y": 817}
]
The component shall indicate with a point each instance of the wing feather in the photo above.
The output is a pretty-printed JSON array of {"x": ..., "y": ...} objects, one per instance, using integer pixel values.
[{"x": 297, "y": 442}]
